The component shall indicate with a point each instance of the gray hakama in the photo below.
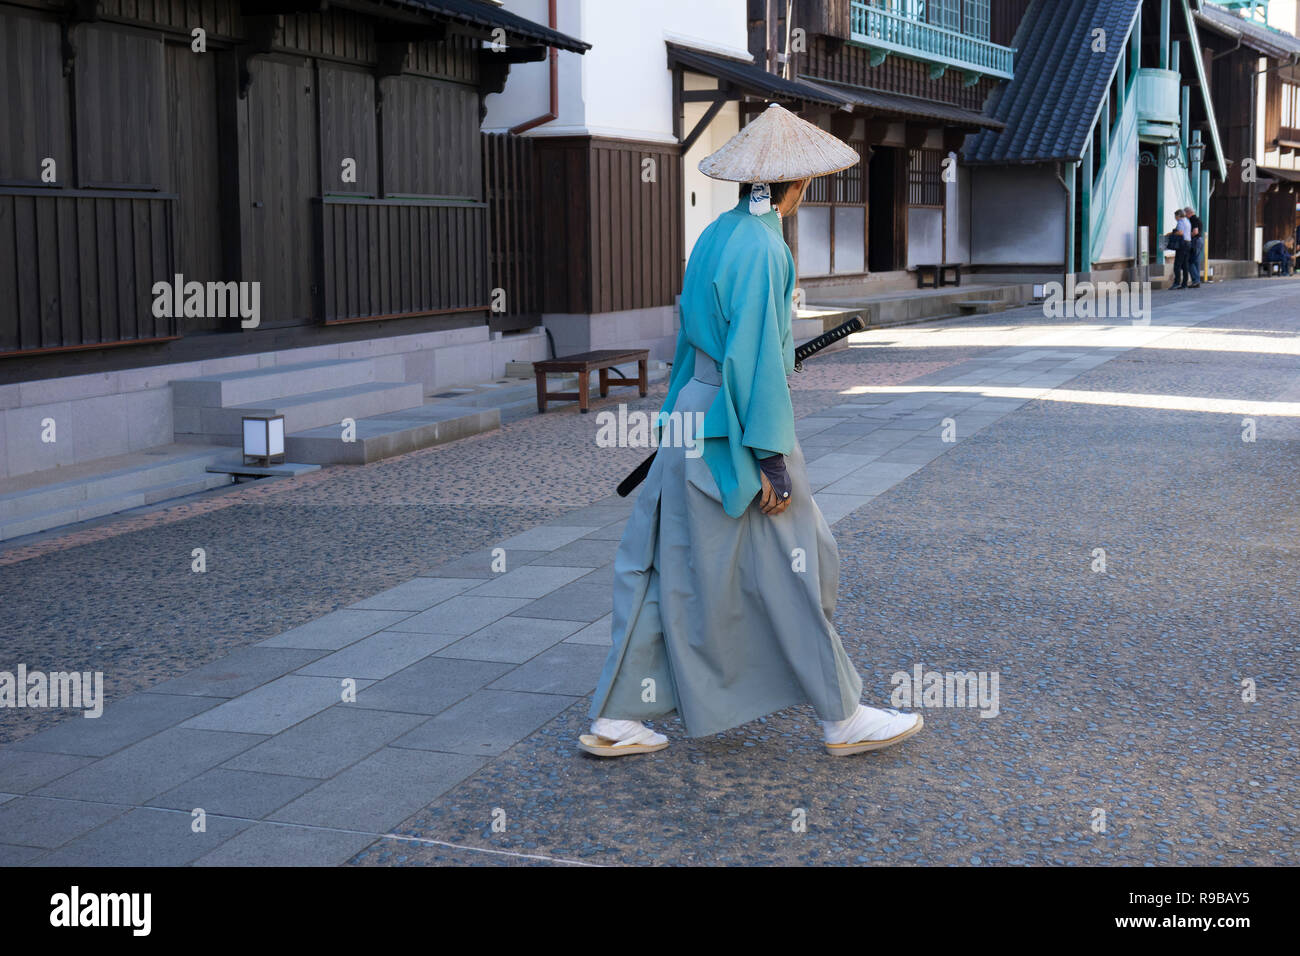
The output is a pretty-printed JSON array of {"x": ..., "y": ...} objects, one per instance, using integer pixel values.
[{"x": 722, "y": 619}]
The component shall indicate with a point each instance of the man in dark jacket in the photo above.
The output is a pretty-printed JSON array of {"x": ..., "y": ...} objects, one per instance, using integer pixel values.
[
  {"x": 1179, "y": 241},
  {"x": 1197, "y": 247},
  {"x": 1275, "y": 250}
]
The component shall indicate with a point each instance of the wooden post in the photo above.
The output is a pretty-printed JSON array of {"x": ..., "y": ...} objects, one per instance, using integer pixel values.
[
  {"x": 541, "y": 391},
  {"x": 1071, "y": 180},
  {"x": 1085, "y": 240},
  {"x": 1164, "y": 34},
  {"x": 773, "y": 38}
]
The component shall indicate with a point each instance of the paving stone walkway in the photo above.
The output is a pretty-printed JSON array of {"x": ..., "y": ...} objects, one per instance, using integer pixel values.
[{"x": 309, "y": 747}]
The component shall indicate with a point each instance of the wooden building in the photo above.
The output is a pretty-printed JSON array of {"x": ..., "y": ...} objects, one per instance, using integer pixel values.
[
  {"x": 330, "y": 152},
  {"x": 619, "y": 139},
  {"x": 909, "y": 81},
  {"x": 1256, "y": 69},
  {"x": 1086, "y": 176}
]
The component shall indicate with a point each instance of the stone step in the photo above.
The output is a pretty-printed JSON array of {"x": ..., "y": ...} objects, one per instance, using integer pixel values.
[
  {"x": 895, "y": 309},
  {"x": 982, "y": 306},
  {"x": 326, "y": 407},
  {"x": 493, "y": 396},
  {"x": 394, "y": 433},
  {"x": 99, "y": 507},
  {"x": 260, "y": 384},
  {"x": 76, "y": 486},
  {"x": 801, "y": 330}
]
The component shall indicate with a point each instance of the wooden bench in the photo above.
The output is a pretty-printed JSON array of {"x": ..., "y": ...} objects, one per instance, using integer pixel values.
[
  {"x": 1270, "y": 267},
  {"x": 584, "y": 364},
  {"x": 937, "y": 272}
]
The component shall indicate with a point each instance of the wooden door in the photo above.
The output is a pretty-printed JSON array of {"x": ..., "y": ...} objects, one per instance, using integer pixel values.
[
  {"x": 882, "y": 241},
  {"x": 282, "y": 179},
  {"x": 195, "y": 152}
]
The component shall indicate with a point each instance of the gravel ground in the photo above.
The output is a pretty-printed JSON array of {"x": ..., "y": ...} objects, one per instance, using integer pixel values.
[{"x": 1119, "y": 691}]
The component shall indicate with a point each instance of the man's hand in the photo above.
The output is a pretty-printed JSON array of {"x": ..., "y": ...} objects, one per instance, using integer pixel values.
[{"x": 768, "y": 500}]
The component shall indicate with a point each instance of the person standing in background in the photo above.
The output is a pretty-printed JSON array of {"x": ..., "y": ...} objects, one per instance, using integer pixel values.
[
  {"x": 1197, "y": 249},
  {"x": 1180, "y": 241}
]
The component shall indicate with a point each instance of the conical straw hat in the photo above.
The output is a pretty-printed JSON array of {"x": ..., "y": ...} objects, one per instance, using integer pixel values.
[{"x": 778, "y": 147}]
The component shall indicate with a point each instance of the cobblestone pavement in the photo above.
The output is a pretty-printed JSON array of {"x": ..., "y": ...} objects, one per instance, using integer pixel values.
[
  {"x": 120, "y": 597},
  {"x": 1119, "y": 690}
]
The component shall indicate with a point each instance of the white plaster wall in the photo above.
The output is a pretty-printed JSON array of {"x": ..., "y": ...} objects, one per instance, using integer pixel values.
[
  {"x": 850, "y": 240},
  {"x": 705, "y": 199},
  {"x": 622, "y": 86},
  {"x": 924, "y": 235},
  {"x": 814, "y": 225},
  {"x": 1017, "y": 215},
  {"x": 1120, "y": 240},
  {"x": 528, "y": 92},
  {"x": 1282, "y": 16},
  {"x": 958, "y": 200}
]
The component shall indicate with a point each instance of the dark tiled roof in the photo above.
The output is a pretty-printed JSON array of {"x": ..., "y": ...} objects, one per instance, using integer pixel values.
[
  {"x": 749, "y": 77},
  {"x": 1266, "y": 40},
  {"x": 479, "y": 13},
  {"x": 896, "y": 104},
  {"x": 1050, "y": 105}
]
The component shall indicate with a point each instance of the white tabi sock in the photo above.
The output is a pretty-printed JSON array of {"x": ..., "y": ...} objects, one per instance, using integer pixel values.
[
  {"x": 867, "y": 723},
  {"x": 626, "y": 732}
]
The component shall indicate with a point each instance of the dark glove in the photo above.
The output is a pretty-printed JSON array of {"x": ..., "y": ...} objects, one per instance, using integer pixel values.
[{"x": 774, "y": 468}]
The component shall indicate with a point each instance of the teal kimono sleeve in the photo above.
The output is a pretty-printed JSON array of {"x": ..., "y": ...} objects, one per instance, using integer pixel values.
[{"x": 752, "y": 413}]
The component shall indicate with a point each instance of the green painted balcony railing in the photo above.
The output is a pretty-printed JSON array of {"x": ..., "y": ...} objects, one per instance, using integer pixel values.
[{"x": 896, "y": 32}]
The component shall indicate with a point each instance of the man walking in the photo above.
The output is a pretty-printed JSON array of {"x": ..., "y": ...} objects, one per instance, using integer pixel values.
[
  {"x": 1197, "y": 247},
  {"x": 711, "y": 618},
  {"x": 1180, "y": 242}
]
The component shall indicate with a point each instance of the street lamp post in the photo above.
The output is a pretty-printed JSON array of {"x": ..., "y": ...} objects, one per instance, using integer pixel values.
[{"x": 1195, "y": 153}]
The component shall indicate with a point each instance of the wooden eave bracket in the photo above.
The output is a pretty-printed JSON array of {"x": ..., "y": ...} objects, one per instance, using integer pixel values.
[
  {"x": 260, "y": 39},
  {"x": 78, "y": 11}
]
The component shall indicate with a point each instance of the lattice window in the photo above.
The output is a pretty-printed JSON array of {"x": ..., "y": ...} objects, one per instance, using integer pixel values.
[
  {"x": 963, "y": 16},
  {"x": 1290, "y": 105},
  {"x": 925, "y": 177},
  {"x": 819, "y": 190},
  {"x": 944, "y": 13},
  {"x": 843, "y": 188},
  {"x": 976, "y": 18}
]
